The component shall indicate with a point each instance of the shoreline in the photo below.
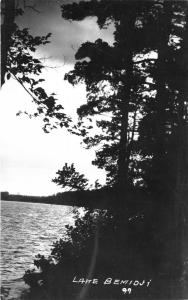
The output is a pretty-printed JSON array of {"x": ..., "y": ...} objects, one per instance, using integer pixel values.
[{"x": 92, "y": 199}]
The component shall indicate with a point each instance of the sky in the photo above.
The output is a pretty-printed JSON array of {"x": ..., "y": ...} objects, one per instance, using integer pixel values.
[{"x": 29, "y": 158}]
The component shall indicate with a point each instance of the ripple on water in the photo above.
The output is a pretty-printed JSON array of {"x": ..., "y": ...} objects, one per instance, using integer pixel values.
[{"x": 27, "y": 229}]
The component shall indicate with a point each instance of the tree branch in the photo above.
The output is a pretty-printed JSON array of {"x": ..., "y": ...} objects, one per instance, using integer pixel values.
[
  {"x": 33, "y": 7},
  {"x": 35, "y": 99}
]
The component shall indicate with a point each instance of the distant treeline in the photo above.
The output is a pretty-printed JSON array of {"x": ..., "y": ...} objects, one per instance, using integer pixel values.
[
  {"x": 72, "y": 198},
  {"x": 102, "y": 198}
]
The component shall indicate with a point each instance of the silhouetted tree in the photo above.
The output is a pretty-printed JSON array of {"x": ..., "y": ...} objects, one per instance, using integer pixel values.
[
  {"x": 115, "y": 69},
  {"x": 7, "y": 29},
  {"x": 69, "y": 177},
  {"x": 134, "y": 84},
  {"x": 158, "y": 138},
  {"x": 140, "y": 88},
  {"x": 18, "y": 61}
]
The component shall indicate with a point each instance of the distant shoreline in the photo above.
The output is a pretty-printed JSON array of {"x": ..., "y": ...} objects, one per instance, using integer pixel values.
[
  {"x": 94, "y": 199},
  {"x": 90, "y": 199},
  {"x": 38, "y": 202}
]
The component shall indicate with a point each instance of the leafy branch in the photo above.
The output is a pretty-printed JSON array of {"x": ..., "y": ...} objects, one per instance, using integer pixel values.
[{"x": 23, "y": 67}]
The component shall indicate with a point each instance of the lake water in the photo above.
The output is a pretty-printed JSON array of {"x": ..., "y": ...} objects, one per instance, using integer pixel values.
[{"x": 27, "y": 229}]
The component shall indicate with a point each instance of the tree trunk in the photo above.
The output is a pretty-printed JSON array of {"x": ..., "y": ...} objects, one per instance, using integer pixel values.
[
  {"x": 182, "y": 154},
  {"x": 160, "y": 175},
  {"x": 123, "y": 159},
  {"x": 127, "y": 23},
  {"x": 7, "y": 29},
  {"x": 181, "y": 186},
  {"x": 170, "y": 163},
  {"x": 125, "y": 44}
]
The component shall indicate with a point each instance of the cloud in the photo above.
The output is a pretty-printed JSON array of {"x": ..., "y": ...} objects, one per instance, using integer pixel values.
[
  {"x": 29, "y": 158},
  {"x": 67, "y": 36}
]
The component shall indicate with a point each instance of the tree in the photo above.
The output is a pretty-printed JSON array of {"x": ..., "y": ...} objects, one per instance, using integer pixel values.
[
  {"x": 69, "y": 177},
  {"x": 18, "y": 61},
  {"x": 158, "y": 138},
  {"x": 7, "y": 28},
  {"x": 152, "y": 103},
  {"x": 162, "y": 130},
  {"x": 124, "y": 69},
  {"x": 148, "y": 90}
]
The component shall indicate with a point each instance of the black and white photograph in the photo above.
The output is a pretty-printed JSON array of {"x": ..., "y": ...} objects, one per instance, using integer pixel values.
[{"x": 94, "y": 149}]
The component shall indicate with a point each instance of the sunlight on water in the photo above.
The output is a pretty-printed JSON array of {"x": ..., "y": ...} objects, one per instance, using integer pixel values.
[{"x": 27, "y": 229}]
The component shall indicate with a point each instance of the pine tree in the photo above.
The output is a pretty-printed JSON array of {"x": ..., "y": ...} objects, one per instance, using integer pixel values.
[
  {"x": 113, "y": 67},
  {"x": 69, "y": 177}
]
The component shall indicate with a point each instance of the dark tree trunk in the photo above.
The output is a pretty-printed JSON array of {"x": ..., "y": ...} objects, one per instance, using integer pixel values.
[
  {"x": 123, "y": 159},
  {"x": 182, "y": 154},
  {"x": 7, "y": 29},
  {"x": 181, "y": 186},
  {"x": 161, "y": 177},
  {"x": 127, "y": 24},
  {"x": 170, "y": 162}
]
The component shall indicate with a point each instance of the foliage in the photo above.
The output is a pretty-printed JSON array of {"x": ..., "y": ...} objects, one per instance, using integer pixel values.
[
  {"x": 158, "y": 130},
  {"x": 102, "y": 243},
  {"x": 133, "y": 83},
  {"x": 70, "y": 254},
  {"x": 21, "y": 64},
  {"x": 69, "y": 177},
  {"x": 25, "y": 68},
  {"x": 115, "y": 82},
  {"x": 142, "y": 142}
]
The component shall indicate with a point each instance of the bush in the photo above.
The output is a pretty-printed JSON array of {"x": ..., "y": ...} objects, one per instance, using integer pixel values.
[
  {"x": 69, "y": 256},
  {"x": 104, "y": 244}
]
